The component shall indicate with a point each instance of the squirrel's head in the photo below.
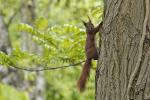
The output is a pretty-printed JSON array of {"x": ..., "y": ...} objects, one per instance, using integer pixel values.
[{"x": 88, "y": 25}]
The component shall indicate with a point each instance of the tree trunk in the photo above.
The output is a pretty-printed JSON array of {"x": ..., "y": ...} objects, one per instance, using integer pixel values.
[
  {"x": 5, "y": 44},
  {"x": 28, "y": 16},
  {"x": 116, "y": 76}
]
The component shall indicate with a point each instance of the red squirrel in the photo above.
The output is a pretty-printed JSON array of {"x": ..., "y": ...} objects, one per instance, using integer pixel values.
[{"x": 91, "y": 52}]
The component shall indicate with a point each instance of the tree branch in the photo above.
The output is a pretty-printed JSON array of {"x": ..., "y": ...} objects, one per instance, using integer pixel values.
[
  {"x": 12, "y": 17},
  {"x": 48, "y": 68}
]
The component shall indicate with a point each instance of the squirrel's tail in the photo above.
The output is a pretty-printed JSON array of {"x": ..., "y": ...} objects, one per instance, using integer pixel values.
[{"x": 84, "y": 75}]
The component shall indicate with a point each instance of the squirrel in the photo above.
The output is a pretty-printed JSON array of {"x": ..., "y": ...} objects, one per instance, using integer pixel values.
[{"x": 91, "y": 52}]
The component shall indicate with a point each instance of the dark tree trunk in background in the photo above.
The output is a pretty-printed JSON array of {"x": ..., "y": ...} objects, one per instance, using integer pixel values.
[
  {"x": 5, "y": 44},
  {"x": 28, "y": 16},
  {"x": 123, "y": 24},
  {"x": 8, "y": 75}
]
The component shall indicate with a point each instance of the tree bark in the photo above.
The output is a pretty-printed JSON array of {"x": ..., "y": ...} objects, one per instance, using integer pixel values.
[{"x": 123, "y": 28}]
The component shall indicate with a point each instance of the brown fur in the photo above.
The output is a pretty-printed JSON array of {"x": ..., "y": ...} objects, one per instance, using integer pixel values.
[
  {"x": 91, "y": 53},
  {"x": 84, "y": 75}
]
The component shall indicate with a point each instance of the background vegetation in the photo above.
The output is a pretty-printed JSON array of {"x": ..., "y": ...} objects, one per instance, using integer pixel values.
[{"x": 45, "y": 33}]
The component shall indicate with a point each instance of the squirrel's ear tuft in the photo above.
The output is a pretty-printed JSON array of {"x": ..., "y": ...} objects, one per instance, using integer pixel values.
[
  {"x": 89, "y": 19},
  {"x": 83, "y": 22}
]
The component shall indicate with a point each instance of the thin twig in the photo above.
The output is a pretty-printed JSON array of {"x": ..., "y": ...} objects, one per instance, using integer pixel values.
[
  {"x": 13, "y": 16},
  {"x": 47, "y": 68},
  {"x": 140, "y": 50}
]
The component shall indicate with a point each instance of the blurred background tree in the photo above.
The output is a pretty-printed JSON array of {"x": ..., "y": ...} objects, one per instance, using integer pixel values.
[{"x": 39, "y": 34}]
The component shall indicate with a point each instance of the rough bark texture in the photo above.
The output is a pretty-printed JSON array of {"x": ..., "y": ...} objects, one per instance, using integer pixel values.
[{"x": 123, "y": 25}]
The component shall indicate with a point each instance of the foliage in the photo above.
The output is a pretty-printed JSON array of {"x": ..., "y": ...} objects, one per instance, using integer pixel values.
[
  {"x": 9, "y": 93},
  {"x": 62, "y": 39}
]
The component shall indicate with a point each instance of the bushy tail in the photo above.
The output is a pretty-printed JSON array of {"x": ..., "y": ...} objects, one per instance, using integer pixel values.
[{"x": 84, "y": 75}]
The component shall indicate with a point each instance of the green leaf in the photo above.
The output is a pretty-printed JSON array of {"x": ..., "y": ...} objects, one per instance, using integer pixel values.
[
  {"x": 41, "y": 23},
  {"x": 9, "y": 93}
]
